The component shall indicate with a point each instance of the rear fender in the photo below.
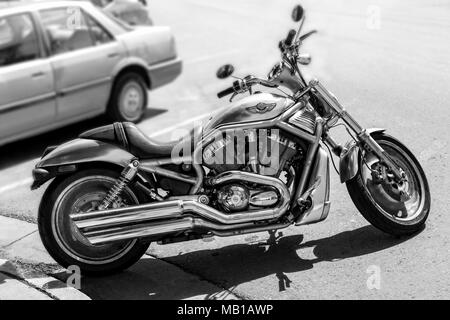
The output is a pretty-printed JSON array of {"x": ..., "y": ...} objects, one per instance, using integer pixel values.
[
  {"x": 69, "y": 156},
  {"x": 349, "y": 163}
]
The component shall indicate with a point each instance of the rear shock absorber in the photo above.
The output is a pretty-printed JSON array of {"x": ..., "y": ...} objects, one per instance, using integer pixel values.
[{"x": 128, "y": 173}]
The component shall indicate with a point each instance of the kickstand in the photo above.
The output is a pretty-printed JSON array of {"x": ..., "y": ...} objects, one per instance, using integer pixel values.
[{"x": 273, "y": 237}]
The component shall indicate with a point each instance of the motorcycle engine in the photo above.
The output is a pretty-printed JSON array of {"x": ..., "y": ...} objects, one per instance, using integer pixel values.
[
  {"x": 233, "y": 197},
  {"x": 238, "y": 197},
  {"x": 263, "y": 151}
]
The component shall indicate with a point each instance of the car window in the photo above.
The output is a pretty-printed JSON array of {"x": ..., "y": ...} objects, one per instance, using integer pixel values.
[
  {"x": 99, "y": 33},
  {"x": 66, "y": 29},
  {"x": 18, "y": 39}
]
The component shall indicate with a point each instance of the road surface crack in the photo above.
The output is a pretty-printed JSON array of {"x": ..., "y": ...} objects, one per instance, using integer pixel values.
[{"x": 21, "y": 238}]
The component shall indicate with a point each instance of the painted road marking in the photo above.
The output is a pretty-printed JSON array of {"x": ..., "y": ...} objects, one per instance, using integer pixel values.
[
  {"x": 15, "y": 185},
  {"x": 213, "y": 56},
  {"x": 179, "y": 125}
]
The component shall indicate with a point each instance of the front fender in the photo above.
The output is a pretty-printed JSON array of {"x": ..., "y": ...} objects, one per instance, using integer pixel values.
[
  {"x": 348, "y": 163},
  {"x": 66, "y": 158}
]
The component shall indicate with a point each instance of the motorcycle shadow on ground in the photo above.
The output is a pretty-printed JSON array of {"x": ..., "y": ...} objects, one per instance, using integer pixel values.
[{"x": 229, "y": 266}]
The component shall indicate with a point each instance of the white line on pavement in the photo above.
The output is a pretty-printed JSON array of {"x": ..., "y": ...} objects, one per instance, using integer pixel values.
[
  {"x": 17, "y": 184},
  {"x": 213, "y": 56},
  {"x": 179, "y": 125}
]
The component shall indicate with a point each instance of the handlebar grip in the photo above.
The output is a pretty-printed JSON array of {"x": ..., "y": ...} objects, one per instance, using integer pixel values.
[
  {"x": 290, "y": 37},
  {"x": 225, "y": 92}
]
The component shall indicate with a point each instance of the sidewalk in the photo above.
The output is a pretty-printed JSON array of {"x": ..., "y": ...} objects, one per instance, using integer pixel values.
[
  {"x": 28, "y": 272},
  {"x": 25, "y": 266}
]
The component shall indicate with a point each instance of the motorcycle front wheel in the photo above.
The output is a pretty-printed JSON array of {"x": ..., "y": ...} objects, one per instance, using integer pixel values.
[
  {"x": 380, "y": 201},
  {"x": 83, "y": 192}
]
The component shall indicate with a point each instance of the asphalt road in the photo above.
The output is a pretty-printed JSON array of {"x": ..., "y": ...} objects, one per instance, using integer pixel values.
[{"x": 391, "y": 72}]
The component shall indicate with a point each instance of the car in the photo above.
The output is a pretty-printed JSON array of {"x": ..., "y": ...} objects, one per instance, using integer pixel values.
[{"x": 65, "y": 61}]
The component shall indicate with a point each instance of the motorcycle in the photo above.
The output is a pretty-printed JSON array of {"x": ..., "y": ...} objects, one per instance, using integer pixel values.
[{"x": 260, "y": 165}]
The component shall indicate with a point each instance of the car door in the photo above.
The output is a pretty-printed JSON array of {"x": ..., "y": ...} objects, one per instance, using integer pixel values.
[
  {"x": 27, "y": 96},
  {"x": 83, "y": 56}
]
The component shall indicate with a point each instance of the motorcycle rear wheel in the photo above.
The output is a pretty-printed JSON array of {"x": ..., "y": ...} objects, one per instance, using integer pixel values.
[
  {"x": 380, "y": 203},
  {"x": 78, "y": 193}
]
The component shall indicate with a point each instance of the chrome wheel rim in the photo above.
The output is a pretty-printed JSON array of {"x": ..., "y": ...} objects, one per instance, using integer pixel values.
[
  {"x": 386, "y": 196},
  {"x": 69, "y": 238},
  {"x": 131, "y": 101}
]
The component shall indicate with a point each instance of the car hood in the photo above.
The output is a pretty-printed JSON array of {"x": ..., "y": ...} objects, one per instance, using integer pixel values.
[{"x": 153, "y": 44}]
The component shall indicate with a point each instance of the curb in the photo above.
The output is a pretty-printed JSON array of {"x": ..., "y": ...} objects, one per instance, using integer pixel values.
[
  {"x": 49, "y": 287},
  {"x": 23, "y": 259}
]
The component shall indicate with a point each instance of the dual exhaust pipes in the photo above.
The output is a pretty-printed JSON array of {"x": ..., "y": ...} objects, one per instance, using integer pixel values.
[{"x": 181, "y": 215}]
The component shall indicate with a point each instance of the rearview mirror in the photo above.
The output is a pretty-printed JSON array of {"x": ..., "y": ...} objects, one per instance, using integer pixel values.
[
  {"x": 297, "y": 13},
  {"x": 225, "y": 71}
]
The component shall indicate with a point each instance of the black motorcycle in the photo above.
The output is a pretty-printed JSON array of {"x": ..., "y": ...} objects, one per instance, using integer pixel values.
[{"x": 260, "y": 165}]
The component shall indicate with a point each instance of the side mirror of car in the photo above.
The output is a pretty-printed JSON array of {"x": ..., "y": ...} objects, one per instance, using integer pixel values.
[
  {"x": 225, "y": 71},
  {"x": 297, "y": 13}
]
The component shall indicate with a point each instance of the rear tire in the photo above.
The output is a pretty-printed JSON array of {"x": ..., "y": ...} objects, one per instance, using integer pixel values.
[
  {"x": 62, "y": 239},
  {"x": 129, "y": 98},
  {"x": 378, "y": 204}
]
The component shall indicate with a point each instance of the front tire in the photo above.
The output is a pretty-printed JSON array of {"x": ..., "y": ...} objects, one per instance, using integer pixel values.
[
  {"x": 381, "y": 203},
  {"x": 83, "y": 192}
]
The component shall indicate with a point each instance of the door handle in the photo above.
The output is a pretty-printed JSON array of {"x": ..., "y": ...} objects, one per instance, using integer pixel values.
[
  {"x": 38, "y": 74},
  {"x": 113, "y": 54}
]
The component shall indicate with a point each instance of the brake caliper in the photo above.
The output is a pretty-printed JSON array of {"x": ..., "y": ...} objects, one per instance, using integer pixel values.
[{"x": 381, "y": 175}]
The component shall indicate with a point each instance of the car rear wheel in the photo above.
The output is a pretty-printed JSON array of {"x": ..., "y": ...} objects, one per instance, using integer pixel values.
[{"x": 129, "y": 98}]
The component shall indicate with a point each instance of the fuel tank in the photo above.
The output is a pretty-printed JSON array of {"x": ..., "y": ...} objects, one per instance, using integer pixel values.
[{"x": 257, "y": 107}]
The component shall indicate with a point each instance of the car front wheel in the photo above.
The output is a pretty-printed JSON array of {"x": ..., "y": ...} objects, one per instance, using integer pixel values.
[{"x": 129, "y": 98}]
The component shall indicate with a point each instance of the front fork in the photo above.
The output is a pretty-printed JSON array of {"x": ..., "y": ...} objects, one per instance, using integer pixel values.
[{"x": 366, "y": 141}]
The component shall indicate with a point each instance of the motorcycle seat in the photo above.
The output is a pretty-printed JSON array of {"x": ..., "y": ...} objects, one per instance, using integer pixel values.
[{"x": 128, "y": 136}]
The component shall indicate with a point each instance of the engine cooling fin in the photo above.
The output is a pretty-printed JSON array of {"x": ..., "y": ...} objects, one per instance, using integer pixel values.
[{"x": 304, "y": 119}]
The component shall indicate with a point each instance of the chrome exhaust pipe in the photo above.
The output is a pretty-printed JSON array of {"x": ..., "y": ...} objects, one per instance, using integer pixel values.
[
  {"x": 157, "y": 218},
  {"x": 138, "y": 232},
  {"x": 174, "y": 227},
  {"x": 128, "y": 215}
]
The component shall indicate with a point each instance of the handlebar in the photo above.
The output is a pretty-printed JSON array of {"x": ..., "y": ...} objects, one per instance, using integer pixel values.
[
  {"x": 241, "y": 86},
  {"x": 290, "y": 54},
  {"x": 225, "y": 92}
]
